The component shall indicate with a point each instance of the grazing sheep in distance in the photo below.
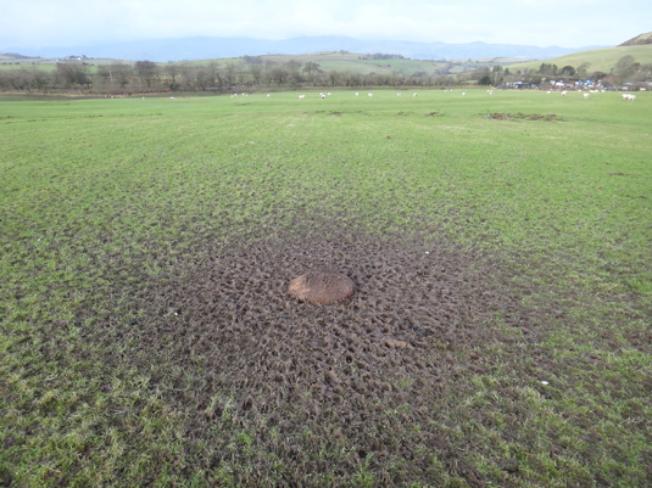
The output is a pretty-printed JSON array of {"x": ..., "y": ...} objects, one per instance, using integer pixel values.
[
  {"x": 628, "y": 97},
  {"x": 322, "y": 96},
  {"x": 370, "y": 94},
  {"x": 563, "y": 93},
  {"x": 301, "y": 97},
  {"x": 586, "y": 95},
  {"x": 357, "y": 94}
]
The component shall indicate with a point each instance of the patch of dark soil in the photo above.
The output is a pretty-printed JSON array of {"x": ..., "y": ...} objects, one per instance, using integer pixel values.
[
  {"x": 335, "y": 113},
  {"x": 220, "y": 338},
  {"x": 522, "y": 116}
]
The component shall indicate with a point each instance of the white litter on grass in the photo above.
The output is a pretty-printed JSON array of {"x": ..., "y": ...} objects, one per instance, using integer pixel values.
[{"x": 544, "y": 382}]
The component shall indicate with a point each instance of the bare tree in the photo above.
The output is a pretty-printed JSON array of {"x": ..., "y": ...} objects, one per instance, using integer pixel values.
[
  {"x": 147, "y": 72},
  {"x": 72, "y": 74}
]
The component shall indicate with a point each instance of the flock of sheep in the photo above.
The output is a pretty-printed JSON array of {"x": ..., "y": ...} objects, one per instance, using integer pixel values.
[
  {"x": 324, "y": 96},
  {"x": 628, "y": 97}
]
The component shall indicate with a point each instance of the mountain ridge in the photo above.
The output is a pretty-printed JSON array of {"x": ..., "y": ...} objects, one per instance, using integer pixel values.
[{"x": 196, "y": 48}]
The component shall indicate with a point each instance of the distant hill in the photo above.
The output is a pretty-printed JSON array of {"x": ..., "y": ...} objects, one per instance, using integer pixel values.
[
  {"x": 357, "y": 63},
  {"x": 196, "y": 48},
  {"x": 14, "y": 57},
  {"x": 639, "y": 40},
  {"x": 366, "y": 64},
  {"x": 598, "y": 60}
]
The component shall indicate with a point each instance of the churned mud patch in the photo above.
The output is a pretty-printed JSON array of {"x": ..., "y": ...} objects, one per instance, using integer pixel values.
[
  {"x": 220, "y": 337},
  {"x": 522, "y": 116}
]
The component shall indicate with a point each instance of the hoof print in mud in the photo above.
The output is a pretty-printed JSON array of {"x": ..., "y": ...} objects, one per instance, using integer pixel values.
[{"x": 321, "y": 288}]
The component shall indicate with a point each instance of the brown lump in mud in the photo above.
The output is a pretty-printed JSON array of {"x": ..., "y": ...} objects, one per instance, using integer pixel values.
[{"x": 321, "y": 288}]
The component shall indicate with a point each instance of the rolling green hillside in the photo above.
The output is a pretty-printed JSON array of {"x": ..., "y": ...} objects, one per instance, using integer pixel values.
[
  {"x": 599, "y": 60},
  {"x": 362, "y": 64},
  {"x": 358, "y": 64},
  {"x": 330, "y": 61}
]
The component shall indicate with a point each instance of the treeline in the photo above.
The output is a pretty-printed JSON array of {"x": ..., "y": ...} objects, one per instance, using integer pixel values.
[
  {"x": 625, "y": 70},
  {"x": 254, "y": 73},
  {"x": 250, "y": 73}
]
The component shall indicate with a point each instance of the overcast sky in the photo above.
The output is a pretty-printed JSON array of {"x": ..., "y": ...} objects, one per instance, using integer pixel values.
[{"x": 568, "y": 23}]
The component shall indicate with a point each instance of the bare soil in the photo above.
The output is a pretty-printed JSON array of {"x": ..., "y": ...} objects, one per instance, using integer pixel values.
[
  {"x": 220, "y": 336},
  {"x": 321, "y": 287},
  {"x": 522, "y": 116}
]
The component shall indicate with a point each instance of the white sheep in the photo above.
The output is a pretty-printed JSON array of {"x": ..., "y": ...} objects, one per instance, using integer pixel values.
[
  {"x": 628, "y": 97},
  {"x": 564, "y": 93},
  {"x": 357, "y": 94},
  {"x": 301, "y": 97},
  {"x": 586, "y": 95},
  {"x": 370, "y": 94},
  {"x": 322, "y": 96}
]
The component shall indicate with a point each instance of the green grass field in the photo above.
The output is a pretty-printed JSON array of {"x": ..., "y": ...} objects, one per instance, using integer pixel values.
[
  {"x": 599, "y": 60},
  {"x": 100, "y": 199}
]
